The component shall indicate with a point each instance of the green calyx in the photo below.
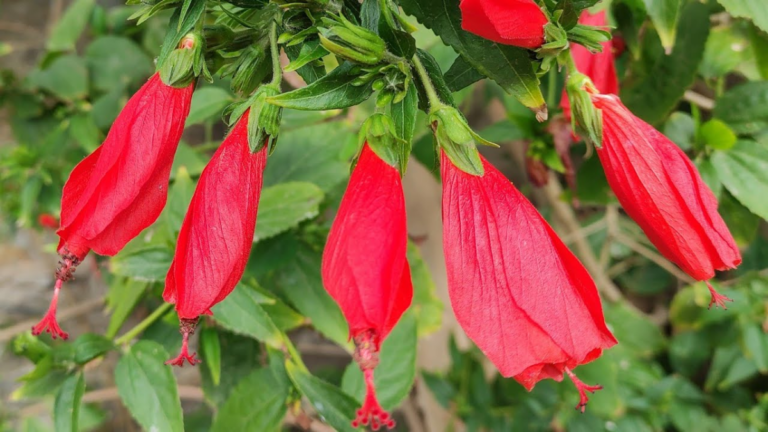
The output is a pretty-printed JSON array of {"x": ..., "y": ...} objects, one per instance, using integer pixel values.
[
  {"x": 352, "y": 42},
  {"x": 586, "y": 119},
  {"x": 459, "y": 142},
  {"x": 590, "y": 37},
  {"x": 264, "y": 119},
  {"x": 381, "y": 135},
  {"x": 185, "y": 63}
]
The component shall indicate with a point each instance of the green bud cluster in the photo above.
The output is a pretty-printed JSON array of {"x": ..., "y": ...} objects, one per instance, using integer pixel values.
[{"x": 352, "y": 42}]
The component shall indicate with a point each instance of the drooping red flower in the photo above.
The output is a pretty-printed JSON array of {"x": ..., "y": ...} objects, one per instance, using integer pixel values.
[
  {"x": 47, "y": 220},
  {"x": 120, "y": 189},
  {"x": 217, "y": 233},
  {"x": 516, "y": 289},
  {"x": 365, "y": 268},
  {"x": 599, "y": 67},
  {"x": 509, "y": 22},
  {"x": 659, "y": 187}
]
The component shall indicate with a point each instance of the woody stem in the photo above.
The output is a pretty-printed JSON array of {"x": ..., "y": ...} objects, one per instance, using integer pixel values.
[
  {"x": 434, "y": 100},
  {"x": 140, "y": 327},
  {"x": 277, "y": 71}
]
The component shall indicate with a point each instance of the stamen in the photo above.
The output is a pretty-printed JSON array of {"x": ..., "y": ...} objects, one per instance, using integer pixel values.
[
  {"x": 583, "y": 389},
  {"x": 186, "y": 328},
  {"x": 64, "y": 273},
  {"x": 717, "y": 298},
  {"x": 367, "y": 356}
]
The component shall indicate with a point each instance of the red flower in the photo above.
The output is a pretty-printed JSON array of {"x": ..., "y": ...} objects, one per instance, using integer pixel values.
[
  {"x": 217, "y": 233},
  {"x": 509, "y": 22},
  {"x": 47, "y": 220},
  {"x": 120, "y": 188},
  {"x": 365, "y": 268},
  {"x": 516, "y": 289},
  {"x": 659, "y": 187},
  {"x": 599, "y": 67}
]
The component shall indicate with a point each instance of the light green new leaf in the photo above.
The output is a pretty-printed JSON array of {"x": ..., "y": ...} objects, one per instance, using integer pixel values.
[{"x": 148, "y": 388}]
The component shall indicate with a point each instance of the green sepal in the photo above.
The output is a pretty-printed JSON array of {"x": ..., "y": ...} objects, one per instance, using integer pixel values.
[
  {"x": 557, "y": 41},
  {"x": 380, "y": 133},
  {"x": 586, "y": 119},
  {"x": 459, "y": 142},
  {"x": 590, "y": 37},
  {"x": 264, "y": 119},
  {"x": 185, "y": 63}
]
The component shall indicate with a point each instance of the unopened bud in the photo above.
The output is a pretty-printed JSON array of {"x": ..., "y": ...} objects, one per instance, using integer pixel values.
[
  {"x": 352, "y": 42},
  {"x": 586, "y": 119}
]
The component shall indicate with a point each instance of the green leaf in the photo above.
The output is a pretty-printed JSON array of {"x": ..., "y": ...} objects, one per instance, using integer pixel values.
[
  {"x": 68, "y": 29},
  {"x": 743, "y": 223},
  {"x": 148, "y": 388},
  {"x": 242, "y": 313},
  {"x": 124, "y": 294},
  {"x": 396, "y": 371},
  {"x": 89, "y": 346},
  {"x": 310, "y": 51},
  {"x": 724, "y": 51},
  {"x": 211, "y": 347},
  {"x": 66, "y": 407},
  {"x": 310, "y": 72},
  {"x": 332, "y": 91},
  {"x": 658, "y": 91},
  {"x": 665, "y": 15},
  {"x": 240, "y": 355},
  {"x": 83, "y": 128},
  {"x": 509, "y": 66},
  {"x": 284, "y": 205},
  {"x": 148, "y": 264},
  {"x": 257, "y": 404},
  {"x": 43, "y": 380},
  {"x": 115, "y": 61},
  {"x": 681, "y": 129},
  {"x": 66, "y": 77},
  {"x": 635, "y": 332},
  {"x": 404, "y": 113},
  {"x": 336, "y": 407},
  {"x": 426, "y": 305},
  {"x": 709, "y": 175},
  {"x": 300, "y": 282},
  {"x": 756, "y": 343},
  {"x": 179, "y": 197},
  {"x": 754, "y": 10},
  {"x": 207, "y": 104},
  {"x": 461, "y": 74},
  {"x": 309, "y": 154},
  {"x": 743, "y": 170},
  {"x": 717, "y": 135},
  {"x": 688, "y": 351},
  {"x": 745, "y": 107},
  {"x": 729, "y": 367}
]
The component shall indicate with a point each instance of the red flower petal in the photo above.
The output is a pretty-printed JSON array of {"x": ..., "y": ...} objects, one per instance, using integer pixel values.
[
  {"x": 658, "y": 187},
  {"x": 364, "y": 264},
  {"x": 516, "y": 289},
  {"x": 510, "y": 22},
  {"x": 217, "y": 233}
]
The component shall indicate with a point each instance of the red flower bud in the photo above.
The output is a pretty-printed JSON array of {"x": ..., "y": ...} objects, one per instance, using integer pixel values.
[
  {"x": 516, "y": 289},
  {"x": 599, "y": 67},
  {"x": 120, "y": 188},
  {"x": 217, "y": 233},
  {"x": 365, "y": 268},
  {"x": 659, "y": 187},
  {"x": 509, "y": 22},
  {"x": 47, "y": 220}
]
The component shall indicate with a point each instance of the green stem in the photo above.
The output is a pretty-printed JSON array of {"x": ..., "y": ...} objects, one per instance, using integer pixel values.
[
  {"x": 277, "y": 71},
  {"x": 570, "y": 64},
  {"x": 294, "y": 353},
  {"x": 551, "y": 87},
  {"x": 140, "y": 327},
  {"x": 434, "y": 100}
]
